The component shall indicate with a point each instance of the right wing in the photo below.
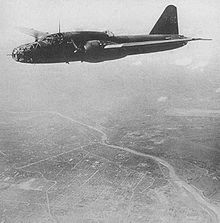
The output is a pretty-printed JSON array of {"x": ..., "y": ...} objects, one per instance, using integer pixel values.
[{"x": 151, "y": 43}]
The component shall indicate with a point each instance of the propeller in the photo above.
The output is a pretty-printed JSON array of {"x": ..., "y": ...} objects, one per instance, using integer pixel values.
[{"x": 32, "y": 32}]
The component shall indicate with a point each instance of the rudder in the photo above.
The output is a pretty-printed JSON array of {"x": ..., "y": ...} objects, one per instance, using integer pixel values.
[{"x": 167, "y": 23}]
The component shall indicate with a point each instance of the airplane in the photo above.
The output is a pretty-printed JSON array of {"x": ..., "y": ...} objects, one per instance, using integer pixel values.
[{"x": 94, "y": 47}]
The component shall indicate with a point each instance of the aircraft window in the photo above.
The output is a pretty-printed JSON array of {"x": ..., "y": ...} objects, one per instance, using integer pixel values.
[
  {"x": 36, "y": 45},
  {"x": 47, "y": 39},
  {"x": 109, "y": 33},
  {"x": 28, "y": 47},
  {"x": 54, "y": 39},
  {"x": 60, "y": 39},
  {"x": 57, "y": 38}
]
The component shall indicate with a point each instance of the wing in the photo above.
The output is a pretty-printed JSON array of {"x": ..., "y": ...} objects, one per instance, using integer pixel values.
[{"x": 151, "y": 43}]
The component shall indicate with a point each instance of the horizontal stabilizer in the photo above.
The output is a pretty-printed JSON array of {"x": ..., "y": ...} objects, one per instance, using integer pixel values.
[{"x": 195, "y": 39}]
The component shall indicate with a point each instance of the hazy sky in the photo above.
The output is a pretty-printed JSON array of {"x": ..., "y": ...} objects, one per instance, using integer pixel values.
[{"x": 199, "y": 18}]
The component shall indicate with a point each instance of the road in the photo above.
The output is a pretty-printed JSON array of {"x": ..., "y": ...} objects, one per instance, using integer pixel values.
[{"x": 213, "y": 210}]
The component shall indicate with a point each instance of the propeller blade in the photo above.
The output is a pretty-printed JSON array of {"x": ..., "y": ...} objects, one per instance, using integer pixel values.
[{"x": 32, "y": 32}]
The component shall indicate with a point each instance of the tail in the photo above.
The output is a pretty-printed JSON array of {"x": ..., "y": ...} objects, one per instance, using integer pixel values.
[{"x": 167, "y": 23}]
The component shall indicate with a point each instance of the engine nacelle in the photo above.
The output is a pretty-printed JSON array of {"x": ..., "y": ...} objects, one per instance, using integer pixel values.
[{"x": 93, "y": 46}]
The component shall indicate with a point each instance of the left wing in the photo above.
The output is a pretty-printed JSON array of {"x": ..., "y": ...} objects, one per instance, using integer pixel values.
[{"x": 151, "y": 43}]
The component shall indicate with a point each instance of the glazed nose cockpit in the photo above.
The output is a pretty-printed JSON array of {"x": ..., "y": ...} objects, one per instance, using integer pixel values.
[
  {"x": 25, "y": 53},
  {"x": 18, "y": 54},
  {"x": 22, "y": 54}
]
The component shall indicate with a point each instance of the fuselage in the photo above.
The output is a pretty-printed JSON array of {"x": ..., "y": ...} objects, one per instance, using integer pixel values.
[{"x": 87, "y": 46}]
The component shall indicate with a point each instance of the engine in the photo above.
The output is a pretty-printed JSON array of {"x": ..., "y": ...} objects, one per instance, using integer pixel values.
[
  {"x": 93, "y": 46},
  {"x": 95, "y": 52}
]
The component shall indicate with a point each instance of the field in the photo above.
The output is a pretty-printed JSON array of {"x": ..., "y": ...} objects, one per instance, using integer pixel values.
[{"x": 56, "y": 169}]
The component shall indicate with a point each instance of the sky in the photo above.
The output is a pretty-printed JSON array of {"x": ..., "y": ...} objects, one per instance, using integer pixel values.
[{"x": 197, "y": 18}]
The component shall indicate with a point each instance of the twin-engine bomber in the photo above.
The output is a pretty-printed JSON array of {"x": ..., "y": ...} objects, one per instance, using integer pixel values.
[{"x": 94, "y": 47}]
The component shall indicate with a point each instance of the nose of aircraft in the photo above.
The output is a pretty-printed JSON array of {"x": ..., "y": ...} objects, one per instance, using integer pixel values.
[
  {"x": 14, "y": 54},
  {"x": 18, "y": 54},
  {"x": 22, "y": 54}
]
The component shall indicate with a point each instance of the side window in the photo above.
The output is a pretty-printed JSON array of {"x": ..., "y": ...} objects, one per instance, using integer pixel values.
[
  {"x": 36, "y": 45},
  {"x": 58, "y": 38},
  {"x": 61, "y": 40},
  {"x": 109, "y": 33},
  {"x": 48, "y": 40},
  {"x": 55, "y": 39}
]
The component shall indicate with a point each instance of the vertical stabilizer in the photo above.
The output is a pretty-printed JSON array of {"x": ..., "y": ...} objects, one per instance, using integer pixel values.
[{"x": 167, "y": 23}]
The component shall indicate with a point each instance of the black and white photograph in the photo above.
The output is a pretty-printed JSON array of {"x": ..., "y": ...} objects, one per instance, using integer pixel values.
[{"x": 110, "y": 111}]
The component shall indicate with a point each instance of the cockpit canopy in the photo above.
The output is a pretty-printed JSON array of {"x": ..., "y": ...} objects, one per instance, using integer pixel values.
[
  {"x": 109, "y": 33},
  {"x": 56, "y": 38}
]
